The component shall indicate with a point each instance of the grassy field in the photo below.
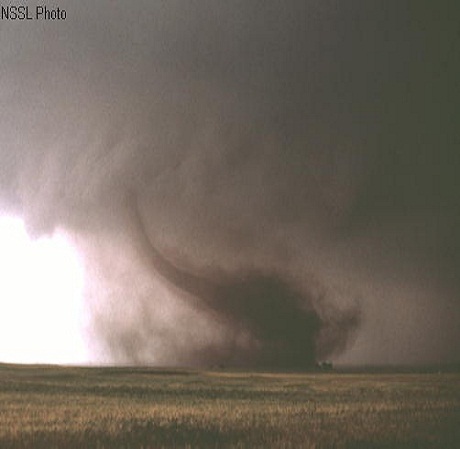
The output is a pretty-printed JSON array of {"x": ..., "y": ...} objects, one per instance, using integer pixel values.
[{"x": 53, "y": 407}]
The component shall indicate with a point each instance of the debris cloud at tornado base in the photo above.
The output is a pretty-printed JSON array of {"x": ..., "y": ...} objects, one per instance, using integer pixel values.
[
  {"x": 279, "y": 323},
  {"x": 250, "y": 184}
]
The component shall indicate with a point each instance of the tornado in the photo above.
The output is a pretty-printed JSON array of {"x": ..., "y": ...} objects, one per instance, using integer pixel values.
[{"x": 282, "y": 321}]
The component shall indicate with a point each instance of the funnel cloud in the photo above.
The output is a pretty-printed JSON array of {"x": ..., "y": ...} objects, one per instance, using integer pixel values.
[
  {"x": 281, "y": 323},
  {"x": 249, "y": 183}
]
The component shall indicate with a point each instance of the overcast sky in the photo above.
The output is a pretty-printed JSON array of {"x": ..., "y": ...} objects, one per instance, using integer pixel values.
[{"x": 311, "y": 142}]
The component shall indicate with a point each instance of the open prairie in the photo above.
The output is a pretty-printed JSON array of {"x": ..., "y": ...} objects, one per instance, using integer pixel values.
[{"x": 69, "y": 407}]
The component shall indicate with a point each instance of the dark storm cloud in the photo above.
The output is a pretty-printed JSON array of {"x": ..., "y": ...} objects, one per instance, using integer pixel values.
[{"x": 297, "y": 156}]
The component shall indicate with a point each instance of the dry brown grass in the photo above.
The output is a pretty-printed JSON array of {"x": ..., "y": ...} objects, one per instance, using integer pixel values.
[{"x": 51, "y": 407}]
